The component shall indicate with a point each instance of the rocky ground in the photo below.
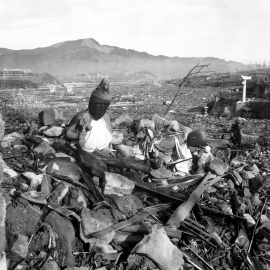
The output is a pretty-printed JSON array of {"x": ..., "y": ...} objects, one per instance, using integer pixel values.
[{"x": 64, "y": 209}]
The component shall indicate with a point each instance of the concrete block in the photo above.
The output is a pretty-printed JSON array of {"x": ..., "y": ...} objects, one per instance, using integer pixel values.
[
  {"x": 160, "y": 249},
  {"x": 117, "y": 184},
  {"x": 64, "y": 167}
]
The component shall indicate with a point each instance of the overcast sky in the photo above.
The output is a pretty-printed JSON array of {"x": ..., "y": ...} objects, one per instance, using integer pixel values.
[{"x": 236, "y": 30}]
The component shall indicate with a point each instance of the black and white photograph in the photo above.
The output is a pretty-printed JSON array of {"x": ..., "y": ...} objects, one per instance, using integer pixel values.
[{"x": 134, "y": 135}]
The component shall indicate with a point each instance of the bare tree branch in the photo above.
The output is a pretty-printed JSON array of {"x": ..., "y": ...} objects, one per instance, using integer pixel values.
[{"x": 185, "y": 77}]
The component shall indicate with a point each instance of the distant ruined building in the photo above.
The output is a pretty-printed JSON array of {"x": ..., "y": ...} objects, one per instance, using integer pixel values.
[
  {"x": 15, "y": 73},
  {"x": 91, "y": 76}
]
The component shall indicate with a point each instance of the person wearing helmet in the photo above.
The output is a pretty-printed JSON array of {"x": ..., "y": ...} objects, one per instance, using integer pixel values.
[
  {"x": 92, "y": 127},
  {"x": 196, "y": 139}
]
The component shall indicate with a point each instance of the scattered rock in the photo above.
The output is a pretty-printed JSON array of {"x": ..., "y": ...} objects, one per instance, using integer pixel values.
[
  {"x": 160, "y": 120},
  {"x": 64, "y": 167},
  {"x": 123, "y": 119},
  {"x": 22, "y": 218},
  {"x": 34, "y": 179},
  {"x": 127, "y": 204},
  {"x": 94, "y": 221},
  {"x": 44, "y": 151},
  {"x": 10, "y": 138},
  {"x": 145, "y": 123},
  {"x": 66, "y": 237},
  {"x": 117, "y": 184},
  {"x": 51, "y": 117},
  {"x": 54, "y": 131},
  {"x": 159, "y": 248},
  {"x": 20, "y": 247}
]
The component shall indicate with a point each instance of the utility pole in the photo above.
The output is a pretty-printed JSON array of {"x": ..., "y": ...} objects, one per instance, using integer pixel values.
[{"x": 245, "y": 78}]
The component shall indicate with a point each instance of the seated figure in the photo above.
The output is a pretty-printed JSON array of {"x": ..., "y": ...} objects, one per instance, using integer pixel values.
[{"x": 92, "y": 127}]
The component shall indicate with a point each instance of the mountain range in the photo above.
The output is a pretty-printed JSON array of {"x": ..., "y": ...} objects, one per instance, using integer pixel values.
[{"x": 82, "y": 56}]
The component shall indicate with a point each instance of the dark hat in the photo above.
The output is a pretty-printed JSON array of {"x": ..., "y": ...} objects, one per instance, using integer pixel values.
[
  {"x": 196, "y": 138},
  {"x": 102, "y": 93}
]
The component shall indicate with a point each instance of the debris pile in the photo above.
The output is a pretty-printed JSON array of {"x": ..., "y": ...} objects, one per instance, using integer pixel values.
[{"x": 159, "y": 199}]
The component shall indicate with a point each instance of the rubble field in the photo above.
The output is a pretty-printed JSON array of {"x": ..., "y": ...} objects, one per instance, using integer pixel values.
[{"x": 140, "y": 206}]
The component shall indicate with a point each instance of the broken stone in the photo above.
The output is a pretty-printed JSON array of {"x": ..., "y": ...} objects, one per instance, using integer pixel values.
[
  {"x": 242, "y": 240},
  {"x": 160, "y": 120},
  {"x": 51, "y": 117},
  {"x": 248, "y": 175},
  {"x": 146, "y": 123},
  {"x": 117, "y": 137},
  {"x": 77, "y": 199},
  {"x": 16, "y": 142},
  {"x": 33, "y": 127},
  {"x": 35, "y": 179},
  {"x": 22, "y": 218},
  {"x": 94, "y": 221},
  {"x": 34, "y": 196},
  {"x": 225, "y": 207},
  {"x": 250, "y": 220},
  {"x": 59, "y": 193},
  {"x": 265, "y": 222},
  {"x": 23, "y": 187},
  {"x": 137, "y": 152},
  {"x": 46, "y": 117},
  {"x": 5, "y": 144},
  {"x": 46, "y": 187},
  {"x": 123, "y": 119},
  {"x": 174, "y": 126},
  {"x": 160, "y": 249},
  {"x": 66, "y": 237},
  {"x": 64, "y": 167},
  {"x": 136, "y": 261},
  {"x": 54, "y": 132},
  {"x": 31, "y": 139},
  {"x": 8, "y": 139},
  {"x": 127, "y": 204},
  {"x": 42, "y": 129},
  {"x": 124, "y": 150},
  {"x": 20, "y": 247},
  {"x": 43, "y": 151},
  {"x": 185, "y": 129},
  {"x": 117, "y": 184},
  {"x": 22, "y": 148},
  {"x": 10, "y": 172},
  {"x": 51, "y": 264},
  {"x": 218, "y": 167}
]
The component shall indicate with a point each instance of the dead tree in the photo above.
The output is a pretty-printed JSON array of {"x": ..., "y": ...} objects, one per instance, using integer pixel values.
[{"x": 191, "y": 74}]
